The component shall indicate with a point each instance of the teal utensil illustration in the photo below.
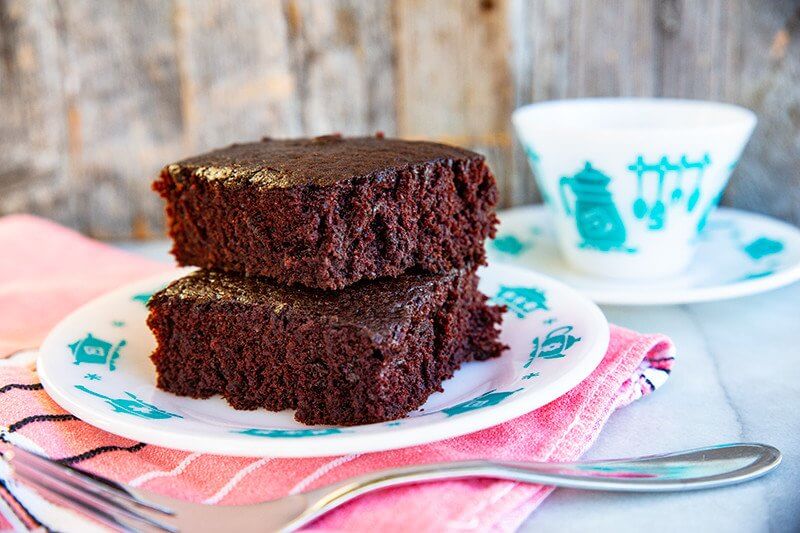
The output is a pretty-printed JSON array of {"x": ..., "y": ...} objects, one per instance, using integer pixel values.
[
  {"x": 700, "y": 168},
  {"x": 677, "y": 191},
  {"x": 663, "y": 169},
  {"x": 484, "y": 400},
  {"x": 288, "y": 433},
  {"x": 596, "y": 216},
  {"x": 641, "y": 208},
  {"x": 96, "y": 351},
  {"x": 554, "y": 345},
  {"x": 521, "y": 300},
  {"x": 131, "y": 405},
  {"x": 701, "y": 224},
  {"x": 658, "y": 212},
  {"x": 639, "y": 205}
]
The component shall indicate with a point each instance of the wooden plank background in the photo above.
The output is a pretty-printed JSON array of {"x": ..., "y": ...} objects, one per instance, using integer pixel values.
[{"x": 95, "y": 96}]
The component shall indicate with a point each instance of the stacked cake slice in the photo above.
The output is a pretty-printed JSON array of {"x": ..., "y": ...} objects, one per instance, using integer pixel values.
[{"x": 338, "y": 275}]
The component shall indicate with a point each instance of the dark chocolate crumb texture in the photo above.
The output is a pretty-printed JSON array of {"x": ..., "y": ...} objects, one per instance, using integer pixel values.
[
  {"x": 330, "y": 211},
  {"x": 368, "y": 353}
]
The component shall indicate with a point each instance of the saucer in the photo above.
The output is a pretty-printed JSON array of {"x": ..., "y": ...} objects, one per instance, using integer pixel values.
[{"x": 739, "y": 253}]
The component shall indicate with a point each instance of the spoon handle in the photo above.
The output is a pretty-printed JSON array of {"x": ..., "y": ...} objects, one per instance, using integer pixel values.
[{"x": 702, "y": 468}]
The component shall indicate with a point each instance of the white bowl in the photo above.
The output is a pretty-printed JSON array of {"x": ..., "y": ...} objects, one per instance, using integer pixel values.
[{"x": 631, "y": 181}]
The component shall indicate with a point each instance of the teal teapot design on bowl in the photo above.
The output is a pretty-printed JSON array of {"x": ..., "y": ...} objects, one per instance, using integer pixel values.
[{"x": 596, "y": 216}]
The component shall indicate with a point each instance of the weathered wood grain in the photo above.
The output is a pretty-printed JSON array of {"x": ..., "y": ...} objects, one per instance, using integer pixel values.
[
  {"x": 96, "y": 96},
  {"x": 343, "y": 57},
  {"x": 454, "y": 77},
  {"x": 768, "y": 177},
  {"x": 121, "y": 93},
  {"x": 236, "y": 79},
  {"x": 33, "y": 118}
]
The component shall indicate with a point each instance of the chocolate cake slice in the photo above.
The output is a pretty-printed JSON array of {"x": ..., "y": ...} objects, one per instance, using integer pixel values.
[
  {"x": 330, "y": 211},
  {"x": 371, "y": 352}
]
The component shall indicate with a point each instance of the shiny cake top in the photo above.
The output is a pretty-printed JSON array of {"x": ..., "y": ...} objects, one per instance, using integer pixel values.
[
  {"x": 321, "y": 161},
  {"x": 380, "y": 306}
]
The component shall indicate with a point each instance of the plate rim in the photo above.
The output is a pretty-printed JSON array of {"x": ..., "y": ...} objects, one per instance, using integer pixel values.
[
  {"x": 389, "y": 439},
  {"x": 672, "y": 296}
]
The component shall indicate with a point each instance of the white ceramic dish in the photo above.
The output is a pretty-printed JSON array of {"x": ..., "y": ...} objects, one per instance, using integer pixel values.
[
  {"x": 631, "y": 180},
  {"x": 739, "y": 253},
  {"x": 95, "y": 364}
]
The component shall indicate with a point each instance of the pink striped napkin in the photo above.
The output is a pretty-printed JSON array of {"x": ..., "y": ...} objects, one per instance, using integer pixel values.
[{"x": 47, "y": 270}]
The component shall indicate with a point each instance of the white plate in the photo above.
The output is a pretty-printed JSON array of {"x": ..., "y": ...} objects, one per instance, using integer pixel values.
[
  {"x": 739, "y": 253},
  {"x": 95, "y": 364}
]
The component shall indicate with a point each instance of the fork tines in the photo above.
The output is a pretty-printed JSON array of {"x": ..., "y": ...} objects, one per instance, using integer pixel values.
[{"x": 103, "y": 500}]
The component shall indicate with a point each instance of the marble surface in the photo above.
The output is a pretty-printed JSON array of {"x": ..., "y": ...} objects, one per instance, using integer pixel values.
[{"x": 736, "y": 378}]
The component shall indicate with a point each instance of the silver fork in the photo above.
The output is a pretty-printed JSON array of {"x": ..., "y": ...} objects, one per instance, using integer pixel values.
[{"x": 126, "y": 509}]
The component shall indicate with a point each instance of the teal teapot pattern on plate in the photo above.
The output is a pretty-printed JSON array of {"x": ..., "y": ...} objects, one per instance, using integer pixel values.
[
  {"x": 93, "y": 350},
  {"x": 596, "y": 216},
  {"x": 554, "y": 345},
  {"x": 521, "y": 300}
]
